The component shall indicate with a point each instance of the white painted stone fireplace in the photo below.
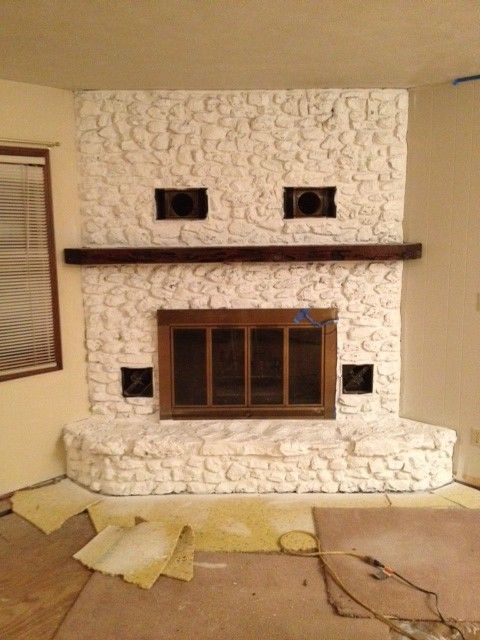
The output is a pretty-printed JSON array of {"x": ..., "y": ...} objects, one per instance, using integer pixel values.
[{"x": 244, "y": 148}]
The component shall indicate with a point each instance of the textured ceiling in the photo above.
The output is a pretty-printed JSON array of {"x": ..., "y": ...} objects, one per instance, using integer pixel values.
[{"x": 235, "y": 44}]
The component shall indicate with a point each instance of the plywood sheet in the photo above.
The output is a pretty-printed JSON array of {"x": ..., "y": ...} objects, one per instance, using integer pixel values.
[
  {"x": 39, "y": 579},
  {"x": 235, "y": 596}
]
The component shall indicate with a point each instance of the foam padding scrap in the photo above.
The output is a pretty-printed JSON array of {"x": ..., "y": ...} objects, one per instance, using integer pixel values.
[
  {"x": 227, "y": 522},
  {"x": 180, "y": 565},
  {"x": 237, "y": 525},
  {"x": 139, "y": 554},
  {"x": 104, "y": 514},
  {"x": 420, "y": 500},
  {"x": 351, "y": 500},
  {"x": 49, "y": 507},
  {"x": 297, "y": 541},
  {"x": 460, "y": 494},
  {"x": 224, "y": 523}
]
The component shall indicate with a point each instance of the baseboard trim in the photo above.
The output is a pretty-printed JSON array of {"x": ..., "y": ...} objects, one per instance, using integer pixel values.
[
  {"x": 469, "y": 481},
  {"x": 43, "y": 483}
]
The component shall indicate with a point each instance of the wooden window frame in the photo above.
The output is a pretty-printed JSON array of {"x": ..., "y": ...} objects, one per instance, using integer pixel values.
[
  {"x": 168, "y": 320},
  {"x": 58, "y": 365}
]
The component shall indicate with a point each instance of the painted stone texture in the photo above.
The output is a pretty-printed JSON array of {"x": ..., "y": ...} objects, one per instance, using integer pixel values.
[
  {"x": 139, "y": 457},
  {"x": 244, "y": 147}
]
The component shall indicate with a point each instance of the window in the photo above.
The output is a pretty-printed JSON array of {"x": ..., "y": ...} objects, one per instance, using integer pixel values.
[
  {"x": 246, "y": 363},
  {"x": 29, "y": 318}
]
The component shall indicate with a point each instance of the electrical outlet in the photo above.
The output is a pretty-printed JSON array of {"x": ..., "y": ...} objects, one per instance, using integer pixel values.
[{"x": 475, "y": 433}]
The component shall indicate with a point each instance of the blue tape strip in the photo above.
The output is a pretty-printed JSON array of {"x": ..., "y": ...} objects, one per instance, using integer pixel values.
[{"x": 304, "y": 314}]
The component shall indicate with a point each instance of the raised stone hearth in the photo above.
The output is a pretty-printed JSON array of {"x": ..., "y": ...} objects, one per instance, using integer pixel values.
[{"x": 140, "y": 457}]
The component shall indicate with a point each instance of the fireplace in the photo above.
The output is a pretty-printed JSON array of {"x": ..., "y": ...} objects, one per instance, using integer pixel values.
[
  {"x": 251, "y": 151},
  {"x": 245, "y": 396},
  {"x": 247, "y": 363}
]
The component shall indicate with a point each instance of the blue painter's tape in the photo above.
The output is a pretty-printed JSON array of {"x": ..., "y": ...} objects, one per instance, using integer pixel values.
[{"x": 304, "y": 314}]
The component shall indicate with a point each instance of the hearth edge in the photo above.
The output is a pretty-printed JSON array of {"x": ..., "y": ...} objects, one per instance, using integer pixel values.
[{"x": 135, "y": 456}]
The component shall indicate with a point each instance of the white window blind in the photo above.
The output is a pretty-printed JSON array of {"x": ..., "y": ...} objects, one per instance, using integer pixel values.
[{"x": 29, "y": 337}]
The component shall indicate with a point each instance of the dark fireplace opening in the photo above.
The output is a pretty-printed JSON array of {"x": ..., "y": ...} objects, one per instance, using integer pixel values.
[{"x": 247, "y": 363}]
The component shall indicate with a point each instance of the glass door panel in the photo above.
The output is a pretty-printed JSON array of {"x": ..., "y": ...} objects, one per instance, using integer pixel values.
[
  {"x": 189, "y": 367},
  {"x": 304, "y": 366},
  {"x": 228, "y": 366},
  {"x": 266, "y": 366}
]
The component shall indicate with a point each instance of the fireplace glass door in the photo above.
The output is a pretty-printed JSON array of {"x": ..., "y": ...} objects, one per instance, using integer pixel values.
[
  {"x": 228, "y": 367},
  {"x": 246, "y": 363}
]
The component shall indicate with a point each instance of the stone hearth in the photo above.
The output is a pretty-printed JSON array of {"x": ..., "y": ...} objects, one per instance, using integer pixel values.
[{"x": 140, "y": 457}]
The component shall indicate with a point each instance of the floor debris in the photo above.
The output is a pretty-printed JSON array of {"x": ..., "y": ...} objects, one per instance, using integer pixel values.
[
  {"x": 140, "y": 553},
  {"x": 50, "y": 506},
  {"x": 461, "y": 495},
  {"x": 224, "y": 522},
  {"x": 180, "y": 565},
  {"x": 248, "y": 523}
]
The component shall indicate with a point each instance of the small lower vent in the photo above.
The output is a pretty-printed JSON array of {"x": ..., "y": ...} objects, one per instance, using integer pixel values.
[
  {"x": 357, "y": 378},
  {"x": 137, "y": 383}
]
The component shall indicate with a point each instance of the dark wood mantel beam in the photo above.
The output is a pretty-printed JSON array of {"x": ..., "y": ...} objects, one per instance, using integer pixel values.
[{"x": 269, "y": 253}]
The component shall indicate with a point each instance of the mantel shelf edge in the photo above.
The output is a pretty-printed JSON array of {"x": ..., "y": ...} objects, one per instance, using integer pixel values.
[{"x": 267, "y": 253}]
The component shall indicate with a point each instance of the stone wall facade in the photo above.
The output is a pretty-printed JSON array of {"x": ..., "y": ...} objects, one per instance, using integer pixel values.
[
  {"x": 121, "y": 304},
  {"x": 138, "y": 457},
  {"x": 244, "y": 147}
]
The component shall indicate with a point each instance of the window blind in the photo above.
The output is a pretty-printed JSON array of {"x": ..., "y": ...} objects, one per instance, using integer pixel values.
[{"x": 29, "y": 336}]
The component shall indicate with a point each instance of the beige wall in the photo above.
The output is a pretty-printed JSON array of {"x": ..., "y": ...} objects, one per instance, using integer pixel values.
[
  {"x": 33, "y": 409},
  {"x": 441, "y": 305}
]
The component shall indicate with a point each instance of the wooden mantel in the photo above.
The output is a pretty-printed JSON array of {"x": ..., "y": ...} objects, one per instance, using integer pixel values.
[{"x": 268, "y": 253}]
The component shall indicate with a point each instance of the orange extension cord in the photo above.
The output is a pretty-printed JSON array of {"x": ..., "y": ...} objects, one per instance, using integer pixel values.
[{"x": 316, "y": 552}]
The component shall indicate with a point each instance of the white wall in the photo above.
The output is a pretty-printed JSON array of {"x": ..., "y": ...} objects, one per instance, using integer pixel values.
[
  {"x": 440, "y": 303},
  {"x": 34, "y": 409}
]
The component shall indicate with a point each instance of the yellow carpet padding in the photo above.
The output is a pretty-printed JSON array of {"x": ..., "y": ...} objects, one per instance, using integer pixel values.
[
  {"x": 180, "y": 565},
  {"x": 140, "y": 553},
  {"x": 226, "y": 523},
  {"x": 460, "y": 494},
  {"x": 49, "y": 507},
  {"x": 419, "y": 500},
  {"x": 247, "y": 523}
]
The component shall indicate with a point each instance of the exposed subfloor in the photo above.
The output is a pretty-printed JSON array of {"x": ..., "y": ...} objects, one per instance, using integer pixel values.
[{"x": 40, "y": 581}]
